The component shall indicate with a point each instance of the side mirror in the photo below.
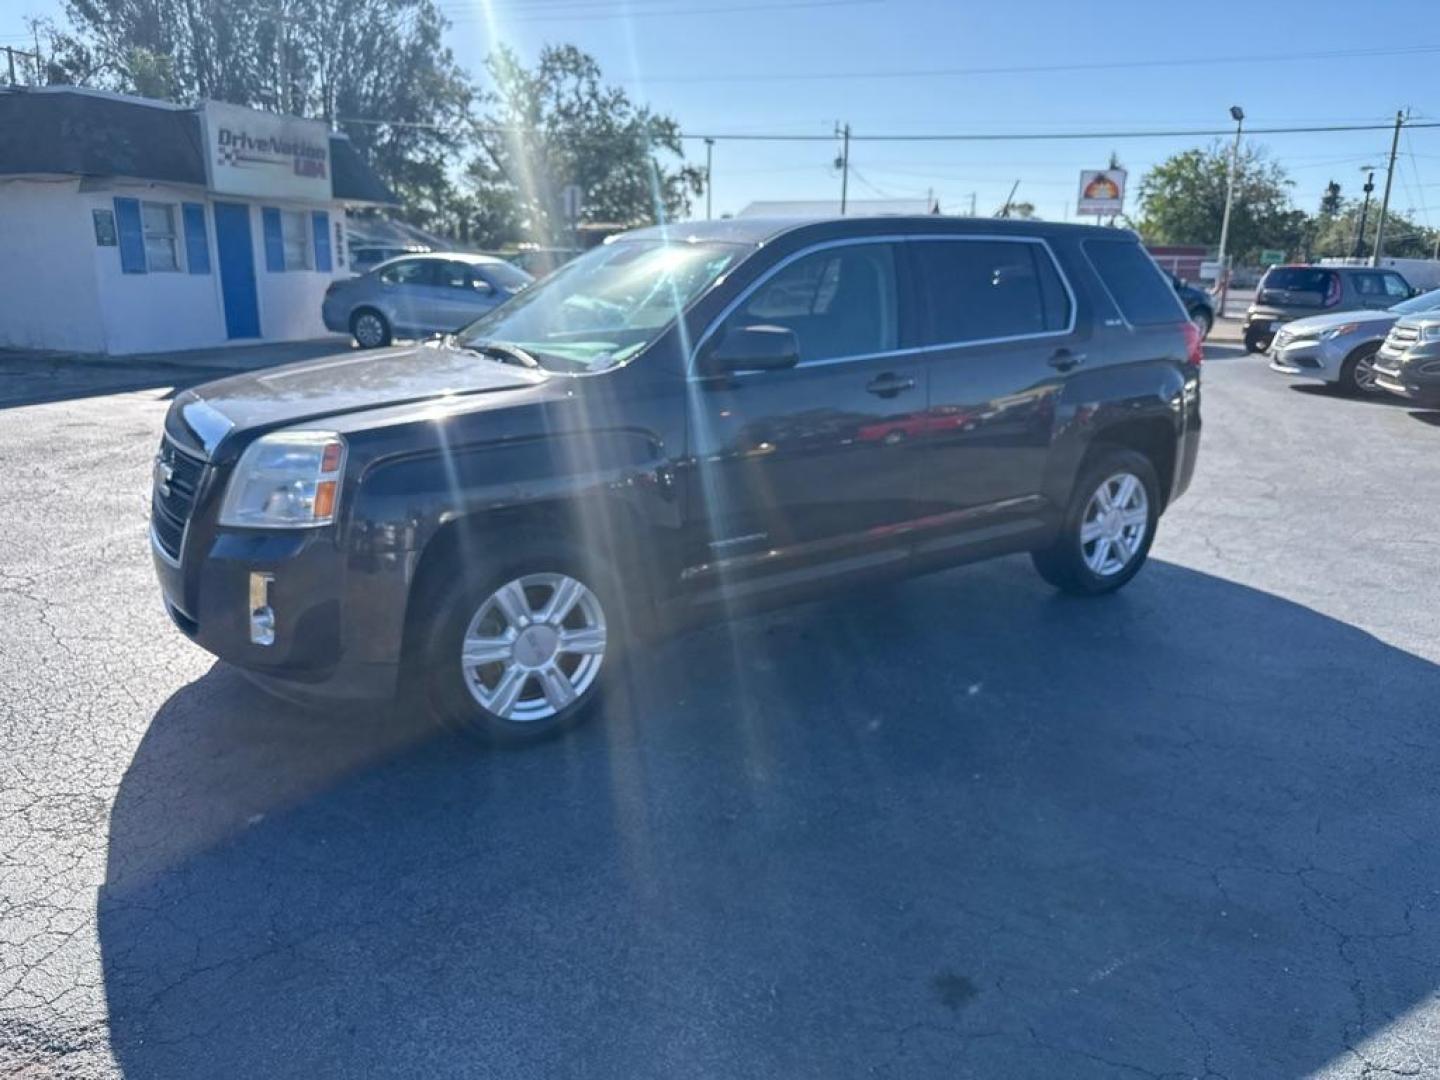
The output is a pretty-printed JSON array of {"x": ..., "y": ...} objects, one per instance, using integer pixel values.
[{"x": 753, "y": 348}]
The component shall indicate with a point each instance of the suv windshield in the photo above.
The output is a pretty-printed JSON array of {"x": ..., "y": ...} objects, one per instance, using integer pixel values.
[{"x": 605, "y": 306}]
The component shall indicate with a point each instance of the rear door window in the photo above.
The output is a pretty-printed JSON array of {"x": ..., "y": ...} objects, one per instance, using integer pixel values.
[
  {"x": 981, "y": 290},
  {"x": 1144, "y": 295}
]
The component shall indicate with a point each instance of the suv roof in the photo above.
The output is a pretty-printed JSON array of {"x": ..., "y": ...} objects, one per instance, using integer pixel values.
[{"x": 763, "y": 230}]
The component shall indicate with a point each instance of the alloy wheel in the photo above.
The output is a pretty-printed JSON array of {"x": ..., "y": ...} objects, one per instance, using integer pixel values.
[
  {"x": 1113, "y": 528},
  {"x": 533, "y": 647},
  {"x": 369, "y": 330},
  {"x": 1365, "y": 373}
]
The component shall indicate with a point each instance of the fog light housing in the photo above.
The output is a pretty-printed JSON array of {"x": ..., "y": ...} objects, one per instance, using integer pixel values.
[{"x": 262, "y": 616}]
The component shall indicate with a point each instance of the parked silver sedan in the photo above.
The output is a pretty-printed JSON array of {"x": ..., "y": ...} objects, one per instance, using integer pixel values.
[
  {"x": 1340, "y": 348},
  {"x": 418, "y": 295}
]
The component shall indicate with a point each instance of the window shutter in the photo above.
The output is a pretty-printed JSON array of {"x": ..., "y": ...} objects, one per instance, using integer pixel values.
[
  {"x": 320, "y": 224},
  {"x": 197, "y": 243},
  {"x": 131, "y": 235},
  {"x": 274, "y": 240}
]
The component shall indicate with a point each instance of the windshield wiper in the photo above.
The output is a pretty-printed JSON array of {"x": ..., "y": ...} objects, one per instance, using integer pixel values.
[{"x": 506, "y": 353}]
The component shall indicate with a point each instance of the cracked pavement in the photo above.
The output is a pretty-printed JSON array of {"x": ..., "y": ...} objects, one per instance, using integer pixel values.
[{"x": 955, "y": 827}]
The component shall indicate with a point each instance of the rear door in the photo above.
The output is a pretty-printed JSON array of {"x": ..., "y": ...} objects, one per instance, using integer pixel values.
[
  {"x": 998, "y": 319},
  {"x": 407, "y": 290},
  {"x": 817, "y": 462}
]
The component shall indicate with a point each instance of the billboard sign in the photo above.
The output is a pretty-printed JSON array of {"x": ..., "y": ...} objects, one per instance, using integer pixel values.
[
  {"x": 248, "y": 152},
  {"x": 1102, "y": 191}
]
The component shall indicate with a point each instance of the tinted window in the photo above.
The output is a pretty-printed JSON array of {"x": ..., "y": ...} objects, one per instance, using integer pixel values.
[
  {"x": 980, "y": 289},
  {"x": 1396, "y": 286},
  {"x": 504, "y": 275},
  {"x": 409, "y": 272},
  {"x": 452, "y": 275},
  {"x": 1368, "y": 285},
  {"x": 1144, "y": 296},
  {"x": 839, "y": 302}
]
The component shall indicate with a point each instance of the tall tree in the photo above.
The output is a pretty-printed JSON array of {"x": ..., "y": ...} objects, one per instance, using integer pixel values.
[
  {"x": 558, "y": 124},
  {"x": 1404, "y": 238},
  {"x": 1182, "y": 201},
  {"x": 376, "y": 69}
]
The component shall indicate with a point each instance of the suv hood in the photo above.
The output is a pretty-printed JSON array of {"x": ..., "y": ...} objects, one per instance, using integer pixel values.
[
  {"x": 344, "y": 383},
  {"x": 1314, "y": 324}
]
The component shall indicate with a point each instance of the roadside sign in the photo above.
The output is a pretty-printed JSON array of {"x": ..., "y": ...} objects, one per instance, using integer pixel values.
[
  {"x": 571, "y": 199},
  {"x": 1271, "y": 257},
  {"x": 1102, "y": 191}
]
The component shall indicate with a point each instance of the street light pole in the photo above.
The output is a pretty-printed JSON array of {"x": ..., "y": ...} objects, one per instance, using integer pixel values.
[
  {"x": 1238, "y": 115},
  {"x": 1364, "y": 215}
]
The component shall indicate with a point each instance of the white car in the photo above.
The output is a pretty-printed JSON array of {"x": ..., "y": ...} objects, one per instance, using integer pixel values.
[{"x": 1340, "y": 348}]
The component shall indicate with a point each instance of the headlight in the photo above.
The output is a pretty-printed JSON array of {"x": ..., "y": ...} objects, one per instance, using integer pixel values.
[
  {"x": 1336, "y": 331},
  {"x": 1430, "y": 331},
  {"x": 287, "y": 480}
]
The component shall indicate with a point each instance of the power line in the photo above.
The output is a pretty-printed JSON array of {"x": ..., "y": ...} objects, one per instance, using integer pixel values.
[
  {"x": 1037, "y": 69},
  {"x": 472, "y": 16},
  {"x": 1173, "y": 133}
]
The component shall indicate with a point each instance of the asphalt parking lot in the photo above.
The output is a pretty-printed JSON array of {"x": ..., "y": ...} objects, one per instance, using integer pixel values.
[{"x": 956, "y": 827}]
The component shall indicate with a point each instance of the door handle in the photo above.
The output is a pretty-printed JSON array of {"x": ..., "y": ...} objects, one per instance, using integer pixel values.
[
  {"x": 888, "y": 385},
  {"x": 1063, "y": 359}
]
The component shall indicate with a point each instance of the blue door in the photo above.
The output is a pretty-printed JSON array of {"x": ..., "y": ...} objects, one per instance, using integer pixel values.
[{"x": 237, "y": 270}]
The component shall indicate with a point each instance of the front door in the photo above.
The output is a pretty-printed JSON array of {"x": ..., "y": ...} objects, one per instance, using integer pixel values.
[
  {"x": 815, "y": 462},
  {"x": 237, "y": 270}
]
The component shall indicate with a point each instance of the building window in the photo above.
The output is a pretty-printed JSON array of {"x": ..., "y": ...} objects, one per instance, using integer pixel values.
[
  {"x": 295, "y": 231},
  {"x": 161, "y": 251}
]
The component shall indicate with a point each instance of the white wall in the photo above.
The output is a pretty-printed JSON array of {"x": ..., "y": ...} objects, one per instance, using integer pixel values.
[
  {"x": 159, "y": 311},
  {"x": 59, "y": 289},
  {"x": 48, "y": 296}
]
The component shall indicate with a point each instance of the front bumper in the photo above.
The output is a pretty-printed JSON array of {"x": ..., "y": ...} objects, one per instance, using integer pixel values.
[
  {"x": 1310, "y": 358},
  {"x": 1413, "y": 374},
  {"x": 315, "y": 651}
]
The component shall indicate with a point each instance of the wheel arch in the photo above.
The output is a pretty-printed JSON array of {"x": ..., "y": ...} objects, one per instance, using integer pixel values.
[{"x": 1154, "y": 437}]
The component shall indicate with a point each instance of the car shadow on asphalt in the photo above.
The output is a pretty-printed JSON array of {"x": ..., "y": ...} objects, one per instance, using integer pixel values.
[
  {"x": 955, "y": 826},
  {"x": 1329, "y": 390},
  {"x": 25, "y": 383},
  {"x": 1427, "y": 417}
]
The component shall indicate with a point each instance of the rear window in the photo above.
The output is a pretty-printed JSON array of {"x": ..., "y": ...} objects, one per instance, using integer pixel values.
[
  {"x": 1306, "y": 286},
  {"x": 977, "y": 290},
  {"x": 1144, "y": 294}
]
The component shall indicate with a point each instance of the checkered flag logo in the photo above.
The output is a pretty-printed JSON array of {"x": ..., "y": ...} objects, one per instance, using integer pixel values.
[{"x": 226, "y": 155}]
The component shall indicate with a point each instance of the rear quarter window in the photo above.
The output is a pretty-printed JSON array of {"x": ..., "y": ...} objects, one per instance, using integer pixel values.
[{"x": 1143, "y": 293}]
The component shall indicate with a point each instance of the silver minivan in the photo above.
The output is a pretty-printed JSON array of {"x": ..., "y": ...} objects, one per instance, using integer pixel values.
[{"x": 419, "y": 295}]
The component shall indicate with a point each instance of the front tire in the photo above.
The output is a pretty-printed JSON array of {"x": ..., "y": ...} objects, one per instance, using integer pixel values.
[
  {"x": 1357, "y": 374},
  {"x": 1257, "y": 343},
  {"x": 1108, "y": 527},
  {"x": 518, "y": 651}
]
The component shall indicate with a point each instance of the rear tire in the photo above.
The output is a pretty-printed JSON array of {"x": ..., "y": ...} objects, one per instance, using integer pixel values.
[
  {"x": 544, "y": 632},
  {"x": 1108, "y": 527},
  {"x": 1257, "y": 343},
  {"x": 1357, "y": 374},
  {"x": 370, "y": 329}
]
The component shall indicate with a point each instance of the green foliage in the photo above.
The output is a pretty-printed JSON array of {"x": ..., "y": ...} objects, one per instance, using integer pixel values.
[
  {"x": 1182, "y": 201},
  {"x": 1335, "y": 234},
  {"x": 558, "y": 124}
]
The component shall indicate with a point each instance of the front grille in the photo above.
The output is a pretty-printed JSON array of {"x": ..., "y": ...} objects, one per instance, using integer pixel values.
[
  {"x": 1402, "y": 337},
  {"x": 172, "y": 499}
]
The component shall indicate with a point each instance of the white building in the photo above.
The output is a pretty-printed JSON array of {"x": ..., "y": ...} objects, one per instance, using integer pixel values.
[{"x": 129, "y": 225}]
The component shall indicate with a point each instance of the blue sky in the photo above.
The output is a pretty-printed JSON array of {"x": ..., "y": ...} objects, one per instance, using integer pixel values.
[{"x": 798, "y": 66}]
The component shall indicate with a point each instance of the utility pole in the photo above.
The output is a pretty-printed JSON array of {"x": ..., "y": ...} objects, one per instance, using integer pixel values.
[
  {"x": 1364, "y": 215},
  {"x": 1005, "y": 210},
  {"x": 1238, "y": 115},
  {"x": 12, "y": 52},
  {"x": 972, "y": 204},
  {"x": 1385, "y": 199},
  {"x": 843, "y": 164},
  {"x": 709, "y": 157}
]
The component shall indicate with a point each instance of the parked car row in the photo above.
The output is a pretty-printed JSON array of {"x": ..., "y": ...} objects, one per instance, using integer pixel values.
[{"x": 1288, "y": 293}]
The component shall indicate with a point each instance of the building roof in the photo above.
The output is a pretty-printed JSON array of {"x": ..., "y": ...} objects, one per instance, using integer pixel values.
[
  {"x": 79, "y": 132},
  {"x": 820, "y": 208}
]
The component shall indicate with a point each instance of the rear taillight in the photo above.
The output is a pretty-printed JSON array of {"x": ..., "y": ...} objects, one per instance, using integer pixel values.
[{"x": 1194, "y": 347}]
